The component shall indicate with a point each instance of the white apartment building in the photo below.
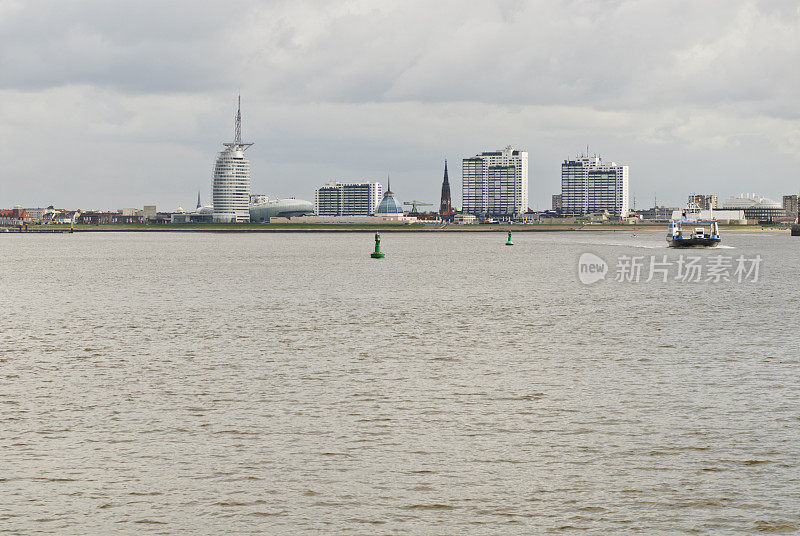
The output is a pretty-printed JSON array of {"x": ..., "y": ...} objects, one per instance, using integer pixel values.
[
  {"x": 230, "y": 190},
  {"x": 495, "y": 183},
  {"x": 347, "y": 198},
  {"x": 590, "y": 185}
]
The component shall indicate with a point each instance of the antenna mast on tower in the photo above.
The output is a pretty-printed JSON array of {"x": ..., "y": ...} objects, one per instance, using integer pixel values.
[
  {"x": 237, "y": 141},
  {"x": 238, "y": 133}
]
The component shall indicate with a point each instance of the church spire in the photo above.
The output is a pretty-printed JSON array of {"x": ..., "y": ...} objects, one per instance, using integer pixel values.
[{"x": 446, "y": 207}]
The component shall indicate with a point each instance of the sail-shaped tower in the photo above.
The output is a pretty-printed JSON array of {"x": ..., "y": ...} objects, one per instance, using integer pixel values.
[{"x": 231, "y": 187}]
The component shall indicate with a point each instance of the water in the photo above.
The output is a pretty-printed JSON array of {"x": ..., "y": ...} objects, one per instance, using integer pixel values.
[{"x": 289, "y": 384}]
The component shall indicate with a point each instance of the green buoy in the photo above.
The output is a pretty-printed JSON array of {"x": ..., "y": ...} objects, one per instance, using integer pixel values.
[
  {"x": 377, "y": 253},
  {"x": 509, "y": 242}
]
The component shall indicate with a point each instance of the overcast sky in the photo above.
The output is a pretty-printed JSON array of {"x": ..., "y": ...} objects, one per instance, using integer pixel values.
[{"x": 107, "y": 104}]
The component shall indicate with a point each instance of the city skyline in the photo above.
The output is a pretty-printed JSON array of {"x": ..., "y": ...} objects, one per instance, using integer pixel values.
[{"x": 709, "y": 107}]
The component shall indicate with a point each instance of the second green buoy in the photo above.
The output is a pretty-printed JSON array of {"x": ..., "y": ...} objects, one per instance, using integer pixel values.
[{"x": 509, "y": 242}]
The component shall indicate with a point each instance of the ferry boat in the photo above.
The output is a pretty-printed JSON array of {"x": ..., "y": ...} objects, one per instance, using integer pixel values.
[{"x": 698, "y": 237}]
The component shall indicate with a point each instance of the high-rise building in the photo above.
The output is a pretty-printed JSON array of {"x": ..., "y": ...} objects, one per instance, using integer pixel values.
[
  {"x": 347, "y": 198},
  {"x": 446, "y": 206},
  {"x": 590, "y": 185},
  {"x": 704, "y": 202},
  {"x": 790, "y": 205},
  {"x": 556, "y": 202},
  {"x": 231, "y": 187},
  {"x": 495, "y": 183}
]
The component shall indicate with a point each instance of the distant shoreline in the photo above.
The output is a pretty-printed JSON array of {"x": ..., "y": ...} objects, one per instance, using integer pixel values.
[{"x": 358, "y": 228}]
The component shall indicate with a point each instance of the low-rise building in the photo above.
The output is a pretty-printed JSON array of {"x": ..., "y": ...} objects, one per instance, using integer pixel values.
[
  {"x": 149, "y": 212},
  {"x": 60, "y": 215},
  {"x": 657, "y": 213},
  {"x": 704, "y": 201},
  {"x": 755, "y": 207},
  {"x": 15, "y": 216},
  {"x": 347, "y": 219},
  {"x": 36, "y": 214},
  {"x": 790, "y": 206},
  {"x": 464, "y": 219},
  {"x": 96, "y": 218}
]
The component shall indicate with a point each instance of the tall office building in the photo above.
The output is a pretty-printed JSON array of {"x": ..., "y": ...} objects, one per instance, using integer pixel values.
[
  {"x": 446, "y": 206},
  {"x": 495, "y": 183},
  {"x": 590, "y": 185},
  {"x": 231, "y": 187},
  {"x": 347, "y": 198}
]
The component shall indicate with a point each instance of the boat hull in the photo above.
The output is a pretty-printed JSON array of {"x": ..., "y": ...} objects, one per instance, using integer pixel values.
[{"x": 693, "y": 242}]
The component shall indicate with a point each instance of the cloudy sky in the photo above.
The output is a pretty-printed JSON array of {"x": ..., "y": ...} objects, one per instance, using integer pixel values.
[{"x": 111, "y": 104}]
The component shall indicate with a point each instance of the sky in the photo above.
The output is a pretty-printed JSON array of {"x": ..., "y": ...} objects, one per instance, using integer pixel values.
[{"x": 110, "y": 104}]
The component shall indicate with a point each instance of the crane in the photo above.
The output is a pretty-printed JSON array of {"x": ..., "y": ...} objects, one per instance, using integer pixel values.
[{"x": 414, "y": 204}]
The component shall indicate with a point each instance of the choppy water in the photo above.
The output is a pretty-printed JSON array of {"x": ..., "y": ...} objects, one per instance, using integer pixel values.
[{"x": 288, "y": 384}]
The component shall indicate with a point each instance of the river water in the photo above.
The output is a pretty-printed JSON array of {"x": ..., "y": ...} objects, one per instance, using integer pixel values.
[{"x": 185, "y": 383}]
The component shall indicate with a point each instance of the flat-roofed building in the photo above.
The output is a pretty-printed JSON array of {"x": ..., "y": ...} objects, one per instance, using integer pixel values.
[
  {"x": 790, "y": 205},
  {"x": 495, "y": 183},
  {"x": 755, "y": 207},
  {"x": 589, "y": 185},
  {"x": 347, "y": 198},
  {"x": 704, "y": 201}
]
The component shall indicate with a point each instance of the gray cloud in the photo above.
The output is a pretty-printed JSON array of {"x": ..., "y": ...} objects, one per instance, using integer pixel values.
[{"x": 128, "y": 102}]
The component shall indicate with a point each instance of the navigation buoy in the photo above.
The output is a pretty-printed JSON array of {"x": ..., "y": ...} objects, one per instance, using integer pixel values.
[
  {"x": 377, "y": 253},
  {"x": 509, "y": 242}
]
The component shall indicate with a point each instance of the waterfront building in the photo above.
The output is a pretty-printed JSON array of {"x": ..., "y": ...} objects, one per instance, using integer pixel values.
[
  {"x": 263, "y": 209},
  {"x": 495, "y": 183},
  {"x": 149, "y": 212},
  {"x": 464, "y": 219},
  {"x": 347, "y": 198},
  {"x": 362, "y": 220},
  {"x": 128, "y": 215},
  {"x": 389, "y": 206},
  {"x": 231, "y": 186},
  {"x": 589, "y": 185},
  {"x": 192, "y": 217},
  {"x": 557, "y": 203},
  {"x": 657, "y": 213},
  {"x": 755, "y": 207},
  {"x": 446, "y": 206},
  {"x": 790, "y": 206},
  {"x": 36, "y": 214},
  {"x": 15, "y": 216},
  {"x": 96, "y": 218},
  {"x": 704, "y": 202},
  {"x": 201, "y": 214}
]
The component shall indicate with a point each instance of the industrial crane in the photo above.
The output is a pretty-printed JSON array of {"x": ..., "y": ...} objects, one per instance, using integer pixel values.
[{"x": 414, "y": 204}]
